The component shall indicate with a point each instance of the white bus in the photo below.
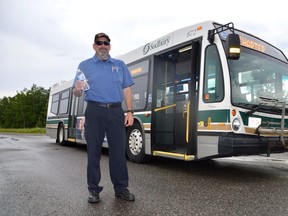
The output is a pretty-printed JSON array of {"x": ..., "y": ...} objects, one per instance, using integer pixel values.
[{"x": 201, "y": 92}]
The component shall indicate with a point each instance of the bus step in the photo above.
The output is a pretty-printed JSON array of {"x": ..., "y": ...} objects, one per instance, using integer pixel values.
[{"x": 173, "y": 155}]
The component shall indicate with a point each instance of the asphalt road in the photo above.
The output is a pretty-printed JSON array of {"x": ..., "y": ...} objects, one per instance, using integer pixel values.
[{"x": 39, "y": 177}]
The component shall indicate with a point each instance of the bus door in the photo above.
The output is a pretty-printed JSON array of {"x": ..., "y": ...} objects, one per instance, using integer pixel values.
[
  {"x": 72, "y": 123},
  {"x": 77, "y": 119},
  {"x": 175, "y": 101}
]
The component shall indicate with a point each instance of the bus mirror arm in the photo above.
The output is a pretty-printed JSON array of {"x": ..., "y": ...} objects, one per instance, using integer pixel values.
[
  {"x": 213, "y": 32},
  {"x": 211, "y": 35},
  {"x": 233, "y": 40}
]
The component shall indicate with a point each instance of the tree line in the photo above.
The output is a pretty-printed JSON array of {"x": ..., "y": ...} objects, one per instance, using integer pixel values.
[{"x": 27, "y": 109}]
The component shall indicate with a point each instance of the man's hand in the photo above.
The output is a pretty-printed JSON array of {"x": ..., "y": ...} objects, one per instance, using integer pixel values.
[
  {"x": 78, "y": 88},
  {"x": 129, "y": 119}
]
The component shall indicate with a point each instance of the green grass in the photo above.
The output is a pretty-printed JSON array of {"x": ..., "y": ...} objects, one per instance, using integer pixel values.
[{"x": 24, "y": 130}]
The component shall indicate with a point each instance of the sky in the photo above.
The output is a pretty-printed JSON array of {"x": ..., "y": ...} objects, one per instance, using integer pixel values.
[{"x": 43, "y": 41}]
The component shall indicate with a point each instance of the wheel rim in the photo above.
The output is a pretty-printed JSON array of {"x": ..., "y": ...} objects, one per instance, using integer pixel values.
[{"x": 135, "y": 142}]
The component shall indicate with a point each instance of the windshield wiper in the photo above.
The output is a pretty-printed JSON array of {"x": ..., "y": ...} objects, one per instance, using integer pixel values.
[{"x": 265, "y": 102}]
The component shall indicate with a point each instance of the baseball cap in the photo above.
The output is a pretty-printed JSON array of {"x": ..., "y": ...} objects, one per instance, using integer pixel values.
[{"x": 99, "y": 35}]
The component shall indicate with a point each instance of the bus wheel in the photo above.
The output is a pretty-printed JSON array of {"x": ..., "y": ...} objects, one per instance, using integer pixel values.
[
  {"x": 135, "y": 149},
  {"x": 61, "y": 135}
]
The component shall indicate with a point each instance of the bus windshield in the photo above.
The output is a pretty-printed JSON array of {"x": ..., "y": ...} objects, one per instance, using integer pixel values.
[{"x": 256, "y": 76}]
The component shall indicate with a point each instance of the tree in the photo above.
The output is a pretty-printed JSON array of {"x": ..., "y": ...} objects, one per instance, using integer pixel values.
[{"x": 27, "y": 109}]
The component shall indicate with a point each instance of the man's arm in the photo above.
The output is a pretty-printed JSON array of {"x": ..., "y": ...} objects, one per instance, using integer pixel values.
[
  {"x": 128, "y": 97},
  {"x": 129, "y": 119}
]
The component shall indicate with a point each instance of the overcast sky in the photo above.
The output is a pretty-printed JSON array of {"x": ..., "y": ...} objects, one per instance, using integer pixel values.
[{"x": 43, "y": 41}]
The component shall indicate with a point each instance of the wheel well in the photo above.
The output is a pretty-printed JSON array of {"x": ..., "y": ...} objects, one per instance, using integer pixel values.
[{"x": 139, "y": 156}]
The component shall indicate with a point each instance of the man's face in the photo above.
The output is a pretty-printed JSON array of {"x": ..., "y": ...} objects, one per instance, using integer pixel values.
[{"x": 102, "y": 47}]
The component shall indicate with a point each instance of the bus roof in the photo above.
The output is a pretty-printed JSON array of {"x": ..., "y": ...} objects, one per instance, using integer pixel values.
[
  {"x": 60, "y": 86},
  {"x": 176, "y": 37},
  {"x": 184, "y": 35}
]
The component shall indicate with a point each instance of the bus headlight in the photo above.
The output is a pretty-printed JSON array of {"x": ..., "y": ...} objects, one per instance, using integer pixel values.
[{"x": 236, "y": 124}]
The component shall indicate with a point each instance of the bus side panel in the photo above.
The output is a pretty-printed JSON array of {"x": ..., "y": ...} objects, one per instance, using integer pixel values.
[
  {"x": 52, "y": 133},
  {"x": 207, "y": 146},
  {"x": 148, "y": 143},
  {"x": 52, "y": 128}
]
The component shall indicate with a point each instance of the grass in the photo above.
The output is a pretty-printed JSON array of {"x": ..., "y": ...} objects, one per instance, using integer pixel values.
[{"x": 24, "y": 130}]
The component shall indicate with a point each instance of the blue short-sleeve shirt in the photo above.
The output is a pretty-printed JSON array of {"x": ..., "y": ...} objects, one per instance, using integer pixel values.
[{"x": 106, "y": 79}]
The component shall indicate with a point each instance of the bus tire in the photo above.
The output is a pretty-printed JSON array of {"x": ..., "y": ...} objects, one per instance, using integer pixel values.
[
  {"x": 61, "y": 135},
  {"x": 135, "y": 148}
]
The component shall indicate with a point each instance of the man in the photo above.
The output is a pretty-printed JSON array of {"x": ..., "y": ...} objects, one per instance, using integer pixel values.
[{"x": 110, "y": 83}]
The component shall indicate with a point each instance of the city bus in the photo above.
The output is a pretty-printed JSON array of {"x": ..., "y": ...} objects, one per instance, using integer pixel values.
[{"x": 201, "y": 92}]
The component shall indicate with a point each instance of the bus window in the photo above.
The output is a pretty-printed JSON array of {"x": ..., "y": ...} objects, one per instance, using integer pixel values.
[
  {"x": 285, "y": 85},
  {"x": 139, "y": 72},
  {"x": 256, "y": 75},
  {"x": 55, "y": 103},
  {"x": 63, "y": 108},
  {"x": 213, "y": 83}
]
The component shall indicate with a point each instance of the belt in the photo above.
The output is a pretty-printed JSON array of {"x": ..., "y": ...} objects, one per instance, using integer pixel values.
[{"x": 106, "y": 105}]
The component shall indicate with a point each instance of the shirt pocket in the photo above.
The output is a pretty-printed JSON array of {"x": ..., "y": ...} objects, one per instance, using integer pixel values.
[{"x": 117, "y": 74}]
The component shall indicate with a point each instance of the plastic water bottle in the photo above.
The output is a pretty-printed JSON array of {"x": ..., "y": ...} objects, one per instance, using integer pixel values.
[{"x": 81, "y": 77}]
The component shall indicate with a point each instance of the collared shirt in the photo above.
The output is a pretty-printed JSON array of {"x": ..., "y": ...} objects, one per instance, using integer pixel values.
[{"x": 106, "y": 79}]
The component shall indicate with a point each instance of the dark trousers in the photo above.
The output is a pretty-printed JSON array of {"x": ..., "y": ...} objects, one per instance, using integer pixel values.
[{"x": 98, "y": 122}]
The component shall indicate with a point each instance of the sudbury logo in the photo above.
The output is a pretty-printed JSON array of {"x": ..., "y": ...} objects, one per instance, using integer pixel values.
[{"x": 150, "y": 46}]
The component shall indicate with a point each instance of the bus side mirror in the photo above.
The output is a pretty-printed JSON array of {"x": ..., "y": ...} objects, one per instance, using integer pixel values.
[{"x": 233, "y": 46}]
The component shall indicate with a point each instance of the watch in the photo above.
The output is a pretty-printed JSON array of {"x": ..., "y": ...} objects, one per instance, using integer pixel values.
[{"x": 131, "y": 111}]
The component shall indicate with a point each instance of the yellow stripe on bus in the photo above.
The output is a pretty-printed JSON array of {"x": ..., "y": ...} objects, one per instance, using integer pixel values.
[{"x": 174, "y": 155}]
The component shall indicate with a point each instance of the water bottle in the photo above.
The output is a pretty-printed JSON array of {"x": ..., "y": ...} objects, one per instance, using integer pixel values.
[{"x": 81, "y": 77}]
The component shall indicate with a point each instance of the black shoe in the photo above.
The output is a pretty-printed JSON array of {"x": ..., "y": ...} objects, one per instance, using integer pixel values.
[
  {"x": 93, "y": 197},
  {"x": 126, "y": 195}
]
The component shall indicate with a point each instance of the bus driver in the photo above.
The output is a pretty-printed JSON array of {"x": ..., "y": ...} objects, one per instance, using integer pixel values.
[{"x": 110, "y": 83}]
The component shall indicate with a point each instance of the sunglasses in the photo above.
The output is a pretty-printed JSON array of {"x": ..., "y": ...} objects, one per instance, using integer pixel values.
[{"x": 99, "y": 43}]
